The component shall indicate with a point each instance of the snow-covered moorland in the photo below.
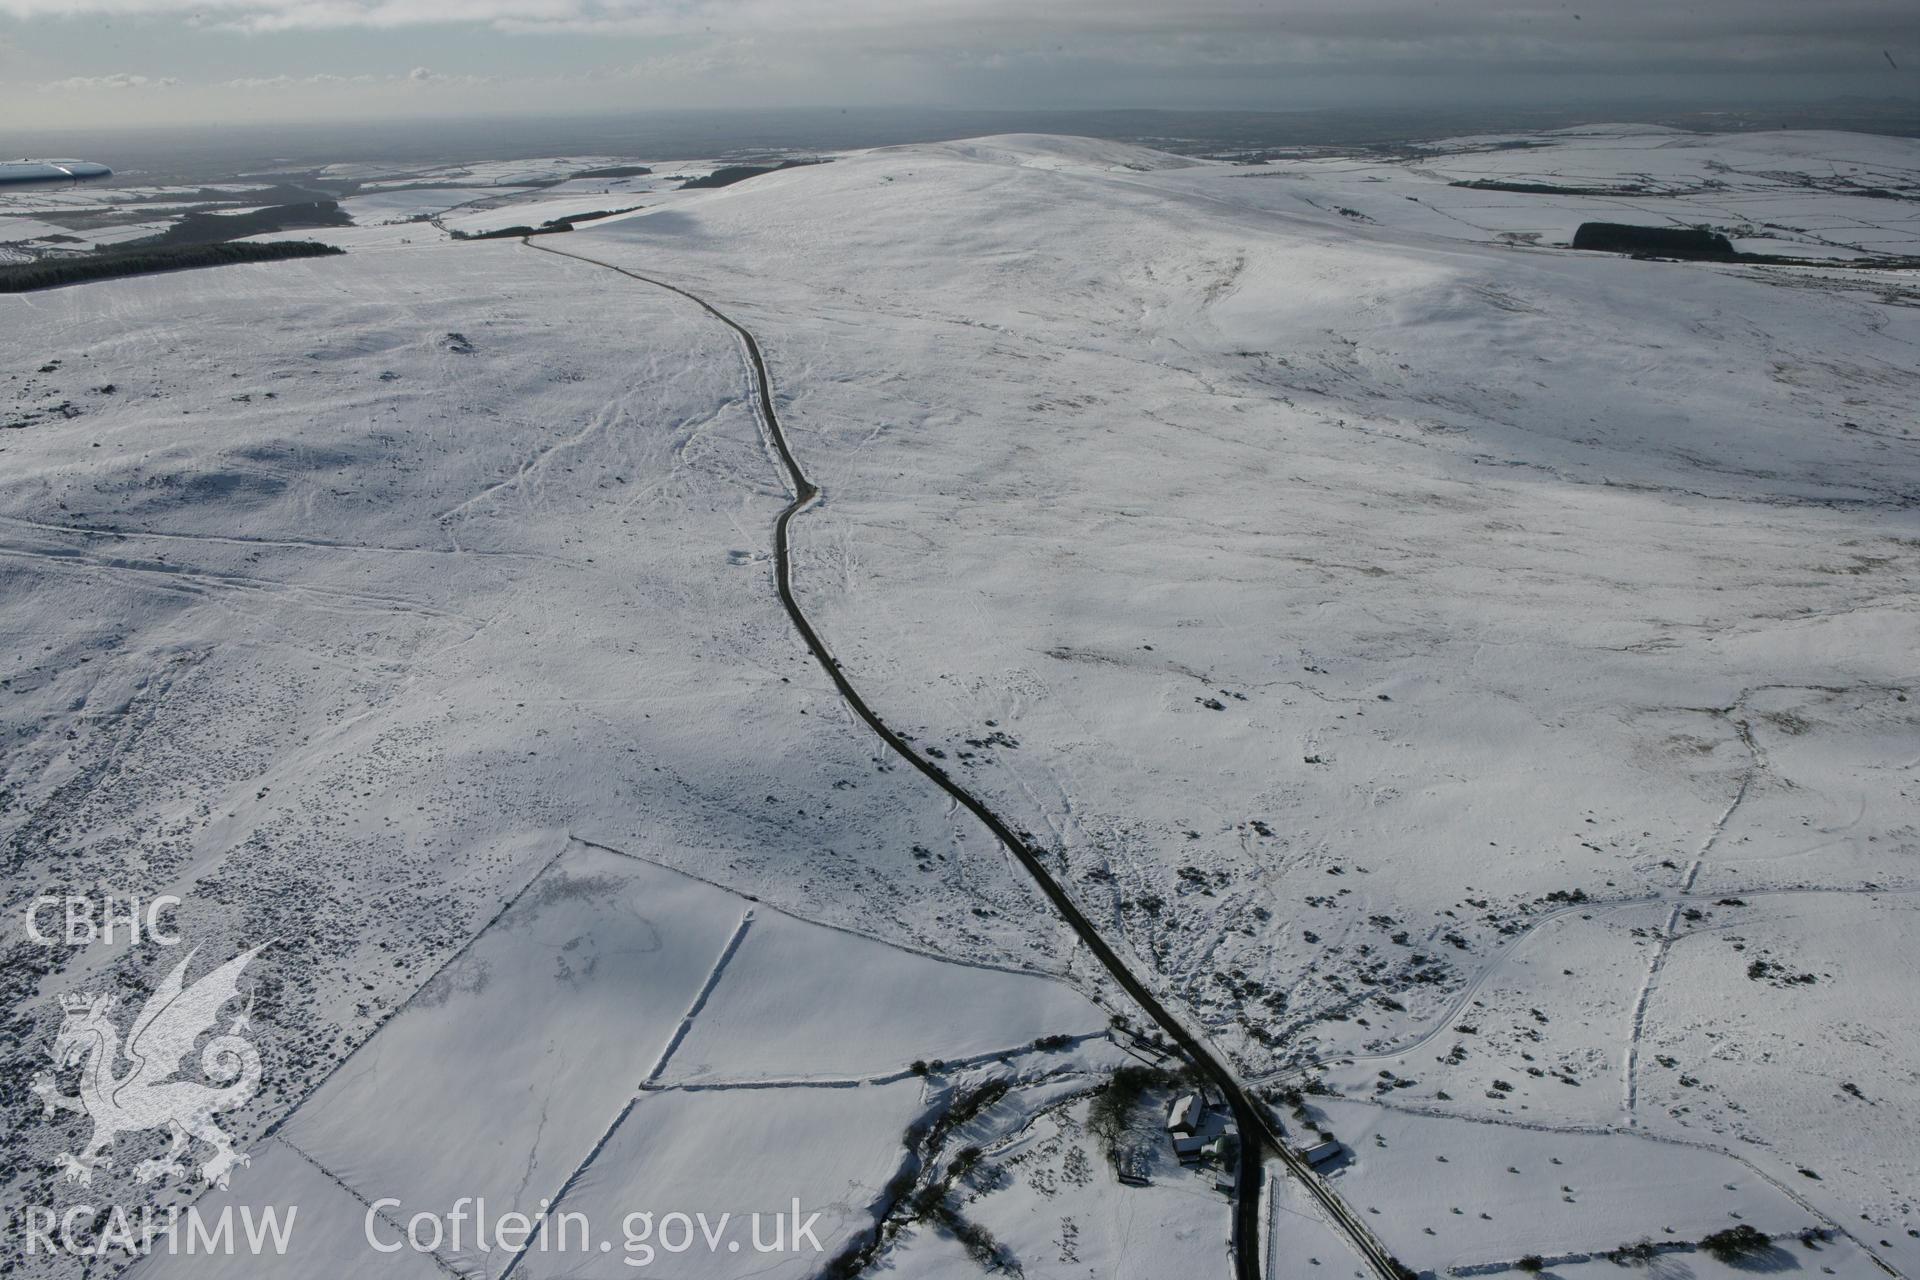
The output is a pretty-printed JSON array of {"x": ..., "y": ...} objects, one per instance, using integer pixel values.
[{"x": 1463, "y": 676}]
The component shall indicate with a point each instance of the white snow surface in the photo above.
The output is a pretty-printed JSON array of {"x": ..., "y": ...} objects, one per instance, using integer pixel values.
[{"x": 1404, "y": 635}]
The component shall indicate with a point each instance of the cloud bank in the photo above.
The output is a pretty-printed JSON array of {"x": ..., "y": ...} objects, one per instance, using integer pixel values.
[
  {"x": 1251, "y": 54},
  {"x": 926, "y": 22}
]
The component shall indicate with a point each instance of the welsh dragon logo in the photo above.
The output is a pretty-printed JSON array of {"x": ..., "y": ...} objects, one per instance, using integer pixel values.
[{"x": 146, "y": 1095}]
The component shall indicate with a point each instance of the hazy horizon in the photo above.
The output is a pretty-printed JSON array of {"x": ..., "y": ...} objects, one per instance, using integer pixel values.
[
  {"x": 106, "y": 64},
  {"x": 166, "y": 154}
]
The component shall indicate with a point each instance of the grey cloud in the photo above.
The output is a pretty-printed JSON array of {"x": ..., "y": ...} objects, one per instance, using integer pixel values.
[{"x": 1216, "y": 53}]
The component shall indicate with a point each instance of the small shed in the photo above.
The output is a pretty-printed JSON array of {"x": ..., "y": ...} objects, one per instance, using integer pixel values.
[{"x": 1226, "y": 1179}]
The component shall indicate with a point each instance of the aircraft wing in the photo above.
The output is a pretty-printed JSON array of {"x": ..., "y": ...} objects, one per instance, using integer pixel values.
[{"x": 18, "y": 174}]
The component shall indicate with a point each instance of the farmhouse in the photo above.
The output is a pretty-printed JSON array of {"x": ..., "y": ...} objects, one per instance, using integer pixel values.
[{"x": 1185, "y": 1113}]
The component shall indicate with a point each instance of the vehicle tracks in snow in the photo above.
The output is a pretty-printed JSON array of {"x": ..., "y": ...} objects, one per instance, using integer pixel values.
[{"x": 1636, "y": 1025}]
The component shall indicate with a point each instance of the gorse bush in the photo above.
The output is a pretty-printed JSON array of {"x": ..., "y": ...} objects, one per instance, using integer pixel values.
[{"x": 1736, "y": 1243}]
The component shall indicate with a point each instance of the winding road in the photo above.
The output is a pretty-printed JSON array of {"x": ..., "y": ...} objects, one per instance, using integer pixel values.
[{"x": 1251, "y": 1117}]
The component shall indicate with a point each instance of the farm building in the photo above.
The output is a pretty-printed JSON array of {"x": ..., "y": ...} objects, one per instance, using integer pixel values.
[{"x": 1320, "y": 1150}]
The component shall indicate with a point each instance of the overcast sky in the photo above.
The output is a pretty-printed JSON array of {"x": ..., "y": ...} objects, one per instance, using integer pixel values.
[{"x": 93, "y": 63}]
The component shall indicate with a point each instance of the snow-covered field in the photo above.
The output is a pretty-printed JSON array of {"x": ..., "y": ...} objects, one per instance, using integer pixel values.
[
  {"x": 1809, "y": 194},
  {"x": 382, "y": 581},
  {"x": 1445, "y": 666}
]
